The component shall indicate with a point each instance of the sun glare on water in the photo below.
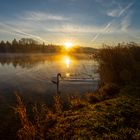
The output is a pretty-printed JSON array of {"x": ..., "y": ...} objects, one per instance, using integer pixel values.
[
  {"x": 66, "y": 61},
  {"x": 67, "y": 75}
]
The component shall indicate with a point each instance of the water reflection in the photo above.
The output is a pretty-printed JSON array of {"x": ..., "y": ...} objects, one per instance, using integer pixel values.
[
  {"x": 35, "y": 72},
  {"x": 67, "y": 75},
  {"x": 67, "y": 61},
  {"x": 24, "y": 61},
  {"x": 28, "y": 61}
]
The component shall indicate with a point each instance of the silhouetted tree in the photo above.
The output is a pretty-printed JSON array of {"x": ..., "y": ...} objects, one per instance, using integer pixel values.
[
  {"x": 14, "y": 42},
  {"x": 29, "y": 45}
]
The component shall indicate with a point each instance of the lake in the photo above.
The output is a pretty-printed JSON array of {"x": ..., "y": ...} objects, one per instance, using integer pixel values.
[{"x": 31, "y": 75}]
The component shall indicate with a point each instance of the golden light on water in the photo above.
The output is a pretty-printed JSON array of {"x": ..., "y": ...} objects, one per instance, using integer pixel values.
[
  {"x": 67, "y": 74},
  {"x": 66, "y": 61},
  {"x": 68, "y": 45}
]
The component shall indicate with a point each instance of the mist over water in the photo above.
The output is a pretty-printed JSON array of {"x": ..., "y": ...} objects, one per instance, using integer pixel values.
[{"x": 32, "y": 75}]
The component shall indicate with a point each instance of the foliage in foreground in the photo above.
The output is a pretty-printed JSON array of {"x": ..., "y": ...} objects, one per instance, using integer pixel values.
[
  {"x": 116, "y": 118},
  {"x": 120, "y": 64}
]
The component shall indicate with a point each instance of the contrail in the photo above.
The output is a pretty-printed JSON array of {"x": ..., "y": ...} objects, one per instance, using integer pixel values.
[
  {"x": 18, "y": 32},
  {"x": 104, "y": 30},
  {"x": 124, "y": 9},
  {"x": 109, "y": 24}
]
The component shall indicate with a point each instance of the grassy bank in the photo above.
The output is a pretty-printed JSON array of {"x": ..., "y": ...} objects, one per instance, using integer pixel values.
[{"x": 115, "y": 118}]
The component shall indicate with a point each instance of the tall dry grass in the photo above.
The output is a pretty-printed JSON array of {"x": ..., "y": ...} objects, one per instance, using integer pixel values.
[
  {"x": 28, "y": 131},
  {"x": 120, "y": 64},
  {"x": 36, "y": 123}
]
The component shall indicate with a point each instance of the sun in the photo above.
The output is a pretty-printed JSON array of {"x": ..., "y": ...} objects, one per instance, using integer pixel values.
[{"x": 68, "y": 45}]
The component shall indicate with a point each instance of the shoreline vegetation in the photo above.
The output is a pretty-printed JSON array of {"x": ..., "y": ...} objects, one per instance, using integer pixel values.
[
  {"x": 112, "y": 112},
  {"x": 29, "y": 46}
]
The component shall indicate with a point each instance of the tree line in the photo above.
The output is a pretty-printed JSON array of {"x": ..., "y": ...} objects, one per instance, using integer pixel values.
[{"x": 27, "y": 45}]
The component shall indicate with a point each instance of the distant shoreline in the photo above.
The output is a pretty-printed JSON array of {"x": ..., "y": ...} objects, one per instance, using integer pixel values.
[{"x": 12, "y": 55}]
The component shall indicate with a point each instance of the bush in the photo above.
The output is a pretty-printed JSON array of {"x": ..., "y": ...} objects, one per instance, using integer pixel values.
[
  {"x": 132, "y": 90},
  {"x": 119, "y": 65},
  {"x": 109, "y": 90},
  {"x": 76, "y": 103},
  {"x": 92, "y": 98}
]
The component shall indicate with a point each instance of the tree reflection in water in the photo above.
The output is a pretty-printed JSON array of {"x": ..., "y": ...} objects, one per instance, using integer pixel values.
[{"x": 24, "y": 61}]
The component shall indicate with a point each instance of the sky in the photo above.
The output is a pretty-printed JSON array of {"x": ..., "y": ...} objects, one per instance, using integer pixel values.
[{"x": 88, "y": 23}]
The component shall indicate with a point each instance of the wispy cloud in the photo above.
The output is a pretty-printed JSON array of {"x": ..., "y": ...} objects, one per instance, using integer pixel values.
[
  {"x": 114, "y": 13},
  {"x": 70, "y": 28},
  {"x": 10, "y": 29},
  {"x": 119, "y": 11},
  {"x": 41, "y": 16}
]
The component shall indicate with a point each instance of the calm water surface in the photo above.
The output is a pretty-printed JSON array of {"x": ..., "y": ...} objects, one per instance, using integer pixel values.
[{"x": 32, "y": 75}]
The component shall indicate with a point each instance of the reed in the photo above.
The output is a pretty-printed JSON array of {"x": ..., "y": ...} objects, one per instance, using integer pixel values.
[{"x": 119, "y": 65}]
